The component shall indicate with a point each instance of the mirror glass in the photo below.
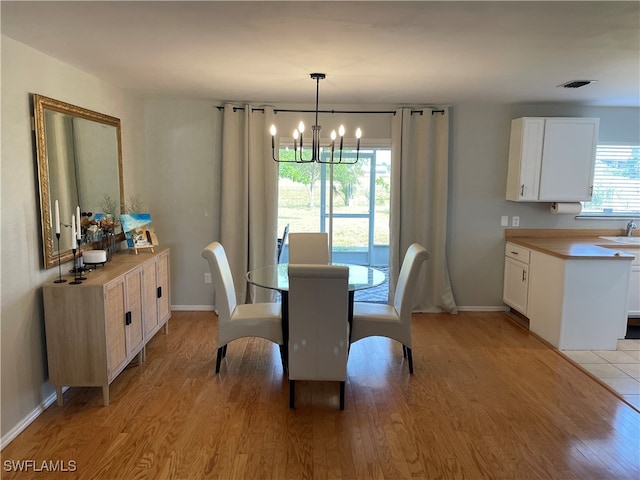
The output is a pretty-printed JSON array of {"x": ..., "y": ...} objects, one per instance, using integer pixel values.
[{"x": 79, "y": 157}]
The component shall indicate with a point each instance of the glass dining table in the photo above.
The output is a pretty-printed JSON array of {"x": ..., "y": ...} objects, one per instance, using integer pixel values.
[{"x": 276, "y": 277}]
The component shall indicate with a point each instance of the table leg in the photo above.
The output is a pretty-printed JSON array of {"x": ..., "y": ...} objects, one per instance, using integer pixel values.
[
  {"x": 284, "y": 295},
  {"x": 350, "y": 317}
]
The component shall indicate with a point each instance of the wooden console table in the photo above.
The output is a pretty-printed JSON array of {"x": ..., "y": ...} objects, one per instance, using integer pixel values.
[{"x": 95, "y": 329}]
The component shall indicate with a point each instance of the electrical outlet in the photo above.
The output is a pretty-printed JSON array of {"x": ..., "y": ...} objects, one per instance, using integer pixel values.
[
  {"x": 515, "y": 221},
  {"x": 504, "y": 221},
  {"x": 207, "y": 278}
]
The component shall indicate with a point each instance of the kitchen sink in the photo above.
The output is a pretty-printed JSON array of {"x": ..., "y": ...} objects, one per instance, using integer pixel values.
[{"x": 624, "y": 240}]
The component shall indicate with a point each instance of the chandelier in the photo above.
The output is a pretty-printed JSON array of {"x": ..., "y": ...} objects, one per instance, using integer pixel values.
[{"x": 335, "y": 156}]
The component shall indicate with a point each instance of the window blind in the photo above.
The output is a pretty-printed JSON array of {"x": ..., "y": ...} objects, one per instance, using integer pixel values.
[{"x": 616, "y": 185}]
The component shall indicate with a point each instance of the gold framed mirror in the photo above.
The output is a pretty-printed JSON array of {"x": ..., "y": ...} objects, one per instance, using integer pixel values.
[{"x": 79, "y": 157}]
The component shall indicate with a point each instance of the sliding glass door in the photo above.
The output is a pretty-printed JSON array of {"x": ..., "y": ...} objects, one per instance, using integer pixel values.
[{"x": 350, "y": 202}]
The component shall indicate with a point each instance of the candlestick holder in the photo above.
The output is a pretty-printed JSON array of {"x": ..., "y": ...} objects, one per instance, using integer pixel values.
[
  {"x": 77, "y": 280},
  {"x": 78, "y": 269},
  {"x": 60, "y": 279}
]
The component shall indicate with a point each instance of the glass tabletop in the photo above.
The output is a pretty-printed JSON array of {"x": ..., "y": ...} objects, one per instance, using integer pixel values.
[{"x": 276, "y": 277}]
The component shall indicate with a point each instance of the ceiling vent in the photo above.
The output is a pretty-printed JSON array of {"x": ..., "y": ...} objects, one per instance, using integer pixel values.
[{"x": 577, "y": 83}]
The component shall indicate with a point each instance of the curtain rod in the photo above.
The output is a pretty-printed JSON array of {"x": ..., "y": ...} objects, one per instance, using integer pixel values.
[{"x": 421, "y": 111}]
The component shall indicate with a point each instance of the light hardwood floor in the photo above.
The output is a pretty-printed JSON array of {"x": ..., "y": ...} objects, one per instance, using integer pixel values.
[{"x": 487, "y": 400}]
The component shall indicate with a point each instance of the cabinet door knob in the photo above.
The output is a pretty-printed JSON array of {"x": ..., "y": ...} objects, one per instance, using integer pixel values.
[{"x": 159, "y": 294}]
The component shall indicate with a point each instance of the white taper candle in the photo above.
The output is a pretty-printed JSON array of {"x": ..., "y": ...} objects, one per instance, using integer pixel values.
[
  {"x": 74, "y": 243},
  {"x": 57, "y": 211},
  {"x": 78, "y": 229}
]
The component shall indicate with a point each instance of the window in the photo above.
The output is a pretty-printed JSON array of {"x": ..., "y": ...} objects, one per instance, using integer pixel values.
[{"x": 616, "y": 184}]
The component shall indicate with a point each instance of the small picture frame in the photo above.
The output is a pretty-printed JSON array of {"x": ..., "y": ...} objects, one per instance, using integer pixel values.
[{"x": 138, "y": 231}]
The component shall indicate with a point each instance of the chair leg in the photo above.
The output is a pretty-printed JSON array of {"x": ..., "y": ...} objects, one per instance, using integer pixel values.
[
  {"x": 410, "y": 358},
  {"x": 342, "y": 395},
  {"x": 224, "y": 351},
  {"x": 404, "y": 351},
  {"x": 283, "y": 355},
  {"x": 292, "y": 394},
  {"x": 219, "y": 358}
]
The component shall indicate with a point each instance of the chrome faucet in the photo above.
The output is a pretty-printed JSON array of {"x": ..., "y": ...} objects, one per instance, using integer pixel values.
[{"x": 630, "y": 227}]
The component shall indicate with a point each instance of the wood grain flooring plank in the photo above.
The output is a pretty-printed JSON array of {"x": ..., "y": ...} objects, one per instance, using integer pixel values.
[{"x": 487, "y": 400}]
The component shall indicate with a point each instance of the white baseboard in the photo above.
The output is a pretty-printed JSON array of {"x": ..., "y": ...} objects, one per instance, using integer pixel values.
[
  {"x": 35, "y": 413},
  {"x": 211, "y": 308},
  {"x": 500, "y": 308},
  {"x": 192, "y": 308}
]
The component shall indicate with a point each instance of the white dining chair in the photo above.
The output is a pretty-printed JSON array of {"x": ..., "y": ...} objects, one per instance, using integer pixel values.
[
  {"x": 309, "y": 248},
  {"x": 393, "y": 320},
  {"x": 318, "y": 325},
  {"x": 238, "y": 321}
]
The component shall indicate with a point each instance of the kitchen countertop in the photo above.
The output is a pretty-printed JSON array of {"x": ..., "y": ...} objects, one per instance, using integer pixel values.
[{"x": 573, "y": 244}]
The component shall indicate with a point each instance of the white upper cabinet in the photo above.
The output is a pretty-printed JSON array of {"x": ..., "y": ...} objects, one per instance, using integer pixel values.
[{"x": 551, "y": 159}]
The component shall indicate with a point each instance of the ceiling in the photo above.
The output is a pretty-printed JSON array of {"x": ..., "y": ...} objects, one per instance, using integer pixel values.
[{"x": 399, "y": 53}]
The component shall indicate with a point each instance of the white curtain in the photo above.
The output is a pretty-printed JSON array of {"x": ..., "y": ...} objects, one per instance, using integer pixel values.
[
  {"x": 419, "y": 181},
  {"x": 248, "y": 197}
]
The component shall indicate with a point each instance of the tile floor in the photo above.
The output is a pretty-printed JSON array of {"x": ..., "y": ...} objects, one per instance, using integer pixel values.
[
  {"x": 377, "y": 294},
  {"x": 619, "y": 369}
]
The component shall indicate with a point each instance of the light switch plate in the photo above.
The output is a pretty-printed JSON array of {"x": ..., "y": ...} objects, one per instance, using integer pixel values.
[
  {"x": 207, "y": 278},
  {"x": 504, "y": 221},
  {"x": 515, "y": 221}
]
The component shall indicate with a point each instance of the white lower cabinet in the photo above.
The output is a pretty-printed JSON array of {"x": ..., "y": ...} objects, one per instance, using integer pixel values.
[
  {"x": 634, "y": 284},
  {"x": 578, "y": 304},
  {"x": 516, "y": 277},
  {"x": 572, "y": 303}
]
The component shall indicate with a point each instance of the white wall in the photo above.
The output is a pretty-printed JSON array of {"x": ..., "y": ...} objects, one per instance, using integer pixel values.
[
  {"x": 182, "y": 144},
  {"x": 23, "y": 373}
]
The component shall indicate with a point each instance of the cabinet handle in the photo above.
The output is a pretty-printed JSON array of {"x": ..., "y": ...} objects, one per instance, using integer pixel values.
[
  {"x": 514, "y": 253},
  {"x": 159, "y": 293},
  {"x": 591, "y": 191},
  {"x": 127, "y": 318},
  {"x": 522, "y": 189},
  {"x": 524, "y": 276}
]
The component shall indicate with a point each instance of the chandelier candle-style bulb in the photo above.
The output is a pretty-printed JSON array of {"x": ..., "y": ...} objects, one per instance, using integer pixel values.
[
  {"x": 273, "y": 135},
  {"x": 296, "y": 134},
  {"x": 317, "y": 148},
  {"x": 301, "y": 130}
]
